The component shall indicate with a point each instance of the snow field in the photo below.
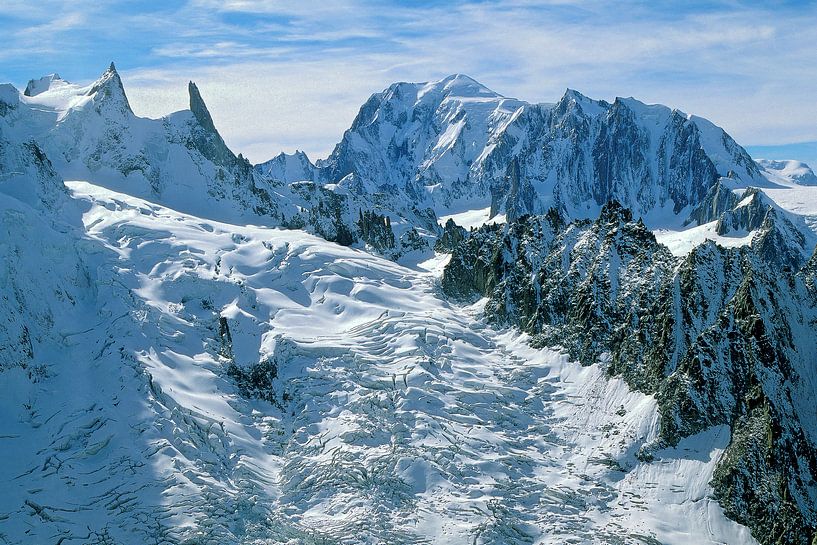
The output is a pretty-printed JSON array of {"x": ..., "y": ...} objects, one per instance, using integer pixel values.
[{"x": 397, "y": 416}]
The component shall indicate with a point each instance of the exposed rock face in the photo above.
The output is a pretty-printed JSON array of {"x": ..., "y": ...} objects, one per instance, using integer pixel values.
[
  {"x": 451, "y": 237},
  {"x": 321, "y": 211},
  {"x": 255, "y": 380},
  {"x": 718, "y": 200},
  {"x": 205, "y": 137},
  {"x": 37, "y": 86},
  {"x": 746, "y": 216},
  {"x": 27, "y": 175},
  {"x": 722, "y": 336},
  {"x": 375, "y": 230},
  {"x": 199, "y": 109},
  {"x": 454, "y": 140},
  {"x": 521, "y": 196},
  {"x": 41, "y": 274}
]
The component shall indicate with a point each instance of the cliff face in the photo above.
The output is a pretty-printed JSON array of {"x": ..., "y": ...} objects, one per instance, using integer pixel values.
[
  {"x": 721, "y": 336},
  {"x": 452, "y": 142},
  {"x": 43, "y": 280}
]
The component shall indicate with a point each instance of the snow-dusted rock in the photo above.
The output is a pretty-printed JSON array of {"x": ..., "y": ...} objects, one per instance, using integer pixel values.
[
  {"x": 453, "y": 142},
  {"x": 720, "y": 336}
]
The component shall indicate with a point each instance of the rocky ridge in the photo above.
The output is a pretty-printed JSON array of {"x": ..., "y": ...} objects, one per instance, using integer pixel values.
[
  {"x": 720, "y": 336},
  {"x": 447, "y": 143}
]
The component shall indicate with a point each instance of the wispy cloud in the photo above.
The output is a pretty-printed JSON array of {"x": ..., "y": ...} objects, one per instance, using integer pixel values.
[{"x": 280, "y": 75}]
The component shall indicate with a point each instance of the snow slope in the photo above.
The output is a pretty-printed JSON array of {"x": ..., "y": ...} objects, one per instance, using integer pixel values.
[
  {"x": 454, "y": 145},
  {"x": 394, "y": 416}
]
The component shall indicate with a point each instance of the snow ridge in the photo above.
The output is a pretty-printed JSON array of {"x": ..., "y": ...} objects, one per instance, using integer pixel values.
[
  {"x": 451, "y": 145},
  {"x": 720, "y": 336}
]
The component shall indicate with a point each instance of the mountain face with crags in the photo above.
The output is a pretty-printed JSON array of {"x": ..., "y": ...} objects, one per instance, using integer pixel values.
[
  {"x": 477, "y": 320},
  {"x": 454, "y": 143},
  {"x": 721, "y": 336}
]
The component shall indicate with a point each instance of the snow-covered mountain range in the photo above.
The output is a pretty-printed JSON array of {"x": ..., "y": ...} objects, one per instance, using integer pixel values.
[
  {"x": 194, "y": 349},
  {"x": 454, "y": 145}
]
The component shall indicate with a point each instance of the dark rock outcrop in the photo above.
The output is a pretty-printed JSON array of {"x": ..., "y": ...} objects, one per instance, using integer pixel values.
[
  {"x": 375, "y": 230},
  {"x": 720, "y": 336},
  {"x": 451, "y": 237}
]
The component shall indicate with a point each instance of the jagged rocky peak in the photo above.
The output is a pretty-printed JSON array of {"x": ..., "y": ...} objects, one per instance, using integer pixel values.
[
  {"x": 45, "y": 83},
  {"x": 776, "y": 237},
  {"x": 613, "y": 213},
  {"x": 779, "y": 242},
  {"x": 206, "y": 137},
  {"x": 109, "y": 87},
  {"x": 722, "y": 336},
  {"x": 573, "y": 99},
  {"x": 199, "y": 108},
  {"x": 451, "y": 237}
]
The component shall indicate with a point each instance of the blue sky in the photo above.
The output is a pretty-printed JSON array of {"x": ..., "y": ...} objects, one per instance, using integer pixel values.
[{"x": 286, "y": 75}]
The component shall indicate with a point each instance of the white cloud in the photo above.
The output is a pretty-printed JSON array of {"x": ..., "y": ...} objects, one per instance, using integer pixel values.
[{"x": 61, "y": 23}]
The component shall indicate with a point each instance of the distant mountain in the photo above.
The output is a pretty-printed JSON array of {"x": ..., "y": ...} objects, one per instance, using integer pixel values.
[
  {"x": 454, "y": 144},
  {"x": 796, "y": 172},
  {"x": 415, "y": 151}
]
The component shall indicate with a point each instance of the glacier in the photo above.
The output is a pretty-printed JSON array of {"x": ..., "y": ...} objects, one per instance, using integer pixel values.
[
  {"x": 395, "y": 417},
  {"x": 195, "y": 349}
]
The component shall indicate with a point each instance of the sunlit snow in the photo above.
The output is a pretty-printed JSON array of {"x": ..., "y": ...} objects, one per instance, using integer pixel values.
[{"x": 399, "y": 417}]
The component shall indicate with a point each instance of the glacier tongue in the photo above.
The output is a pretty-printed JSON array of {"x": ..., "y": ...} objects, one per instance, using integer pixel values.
[{"x": 393, "y": 416}]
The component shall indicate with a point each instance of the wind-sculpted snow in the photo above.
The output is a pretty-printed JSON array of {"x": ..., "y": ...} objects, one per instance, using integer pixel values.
[
  {"x": 720, "y": 336},
  {"x": 212, "y": 383}
]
